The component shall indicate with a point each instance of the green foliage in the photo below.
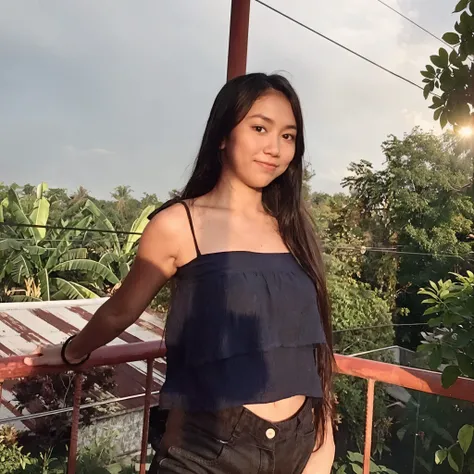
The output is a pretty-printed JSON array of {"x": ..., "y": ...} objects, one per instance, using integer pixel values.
[
  {"x": 451, "y": 341},
  {"x": 46, "y": 464},
  {"x": 450, "y": 76},
  {"x": 355, "y": 304},
  {"x": 419, "y": 206},
  {"x": 99, "y": 458},
  {"x": 40, "y": 264},
  {"x": 39, "y": 259},
  {"x": 96, "y": 458},
  {"x": 457, "y": 453},
  {"x": 450, "y": 344},
  {"x": 417, "y": 201},
  {"x": 427, "y": 422},
  {"x": 11, "y": 456},
  {"x": 352, "y": 400},
  {"x": 115, "y": 256},
  {"x": 353, "y": 464}
]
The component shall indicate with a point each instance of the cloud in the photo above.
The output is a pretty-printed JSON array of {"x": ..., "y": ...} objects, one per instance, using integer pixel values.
[
  {"x": 92, "y": 153},
  {"x": 416, "y": 119},
  {"x": 134, "y": 82},
  {"x": 350, "y": 106}
]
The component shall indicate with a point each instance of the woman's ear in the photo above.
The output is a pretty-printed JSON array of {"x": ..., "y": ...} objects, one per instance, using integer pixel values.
[{"x": 222, "y": 146}]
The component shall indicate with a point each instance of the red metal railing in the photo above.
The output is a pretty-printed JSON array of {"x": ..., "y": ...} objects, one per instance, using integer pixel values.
[
  {"x": 372, "y": 371},
  {"x": 407, "y": 377},
  {"x": 13, "y": 367}
]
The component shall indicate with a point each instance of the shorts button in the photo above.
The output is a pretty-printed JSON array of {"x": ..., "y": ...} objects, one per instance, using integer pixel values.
[{"x": 270, "y": 433}]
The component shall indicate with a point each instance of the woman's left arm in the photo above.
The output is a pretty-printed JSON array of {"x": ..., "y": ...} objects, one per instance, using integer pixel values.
[{"x": 321, "y": 461}]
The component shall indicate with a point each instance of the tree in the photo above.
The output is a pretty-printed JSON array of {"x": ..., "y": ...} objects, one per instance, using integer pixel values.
[
  {"x": 419, "y": 207},
  {"x": 29, "y": 189},
  {"x": 150, "y": 200},
  {"x": 450, "y": 76},
  {"x": 355, "y": 305},
  {"x": 81, "y": 194},
  {"x": 122, "y": 194}
]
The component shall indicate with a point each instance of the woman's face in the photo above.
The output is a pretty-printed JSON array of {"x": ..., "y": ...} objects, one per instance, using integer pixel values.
[{"x": 261, "y": 147}]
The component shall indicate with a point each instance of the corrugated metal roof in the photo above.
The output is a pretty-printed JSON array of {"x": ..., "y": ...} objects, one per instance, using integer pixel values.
[{"x": 25, "y": 325}]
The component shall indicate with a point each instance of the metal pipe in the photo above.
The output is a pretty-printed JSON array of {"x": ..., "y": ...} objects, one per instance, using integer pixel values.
[
  {"x": 71, "y": 463},
  {"x": 14, "y": 367},
  {"x": 406, "y": 377},
  {"x": 146, "y": 415},
  {"x": 59, "y": 411},
  {"x": 372, "y": 351},
  {"x": 369, "y": 420},
  {"x": 238, "y": 38}
]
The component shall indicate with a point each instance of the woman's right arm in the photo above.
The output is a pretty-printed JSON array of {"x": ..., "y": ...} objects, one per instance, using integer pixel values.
[{"x": 154, "y": 265}]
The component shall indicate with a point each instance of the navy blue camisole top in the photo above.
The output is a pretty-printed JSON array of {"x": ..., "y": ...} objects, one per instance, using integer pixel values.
[{"x": 242, "y": 328}]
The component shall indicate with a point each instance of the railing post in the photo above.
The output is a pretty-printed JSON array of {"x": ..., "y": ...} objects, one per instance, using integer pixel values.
[
  {"x": 369, "y": 420},
  {"x": 146, "y": 415},
  {"x": 238, "y": 38},
  {"x": 71, "y": 463}
]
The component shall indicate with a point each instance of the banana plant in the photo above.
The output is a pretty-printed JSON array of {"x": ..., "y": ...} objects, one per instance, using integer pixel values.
[
  {"x": 60, "y": 268},
  {"x": 118, "y": 257}
]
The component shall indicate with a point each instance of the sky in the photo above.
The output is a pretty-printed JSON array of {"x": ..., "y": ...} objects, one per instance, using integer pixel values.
[{"x": 102, "y": 93}]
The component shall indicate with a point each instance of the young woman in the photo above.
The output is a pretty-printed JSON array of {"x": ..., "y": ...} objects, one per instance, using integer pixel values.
[{"x": 248, "y": 336}]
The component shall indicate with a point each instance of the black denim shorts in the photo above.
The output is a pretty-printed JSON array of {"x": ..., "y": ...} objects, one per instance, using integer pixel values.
[{"x": 235, "y": 441}]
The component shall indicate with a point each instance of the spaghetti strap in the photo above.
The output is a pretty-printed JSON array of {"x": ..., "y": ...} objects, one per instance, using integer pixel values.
[{"x": 188, "y": 212}]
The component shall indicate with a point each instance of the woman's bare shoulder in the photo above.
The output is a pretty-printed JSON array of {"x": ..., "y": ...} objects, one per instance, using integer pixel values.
[{"x": 168, "y": 223}]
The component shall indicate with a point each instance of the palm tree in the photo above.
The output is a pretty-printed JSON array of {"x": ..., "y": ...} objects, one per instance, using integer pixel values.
[
  {"x": 81, "y": 194},
  {"x": 122, "y": 194}
]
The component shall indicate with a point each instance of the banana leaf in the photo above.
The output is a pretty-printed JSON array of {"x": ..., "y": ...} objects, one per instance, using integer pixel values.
[{"x": 92, "y": 268}]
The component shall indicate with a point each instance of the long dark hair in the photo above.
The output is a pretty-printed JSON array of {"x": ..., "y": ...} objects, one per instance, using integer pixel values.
[{"x": 282, "y": 198}]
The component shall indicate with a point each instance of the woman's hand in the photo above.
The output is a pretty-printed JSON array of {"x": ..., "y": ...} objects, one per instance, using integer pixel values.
[{"x": 48, "y": 355}]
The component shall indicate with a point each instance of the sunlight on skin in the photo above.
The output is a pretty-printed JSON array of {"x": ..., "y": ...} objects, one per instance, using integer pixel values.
[{"x": 322, "y": 460}]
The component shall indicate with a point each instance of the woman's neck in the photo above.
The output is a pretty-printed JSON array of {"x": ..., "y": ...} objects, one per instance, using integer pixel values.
[{"x": 234, "y": 195}]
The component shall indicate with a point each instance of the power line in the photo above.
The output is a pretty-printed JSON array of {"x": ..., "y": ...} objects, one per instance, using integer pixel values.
[
  {"x": 370, "y": 61},
  {"x": 426, "y": 254},
  {"x": 415, "y": 24},
  {"x": 399, "y": 252},
  {"x": 420, "y": 27},
  {"x": 71, "y": 240},
  {"x": 56, "y": 227},
  {"x": 124, "y": 232},
  {"x": 363, "y": 328}
]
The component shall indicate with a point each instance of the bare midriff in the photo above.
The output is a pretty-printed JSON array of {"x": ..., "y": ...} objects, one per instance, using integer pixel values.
[{"x": 278, "y": 411}]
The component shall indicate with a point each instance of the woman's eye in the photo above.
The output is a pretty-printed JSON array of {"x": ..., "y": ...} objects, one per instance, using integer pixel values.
[
  {"x": 259, "y": 128},
  {"x": 288, "y": 136}
]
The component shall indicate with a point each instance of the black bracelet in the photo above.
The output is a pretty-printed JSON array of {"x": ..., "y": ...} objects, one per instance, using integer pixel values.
[{"x": 63, "y": 353}]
